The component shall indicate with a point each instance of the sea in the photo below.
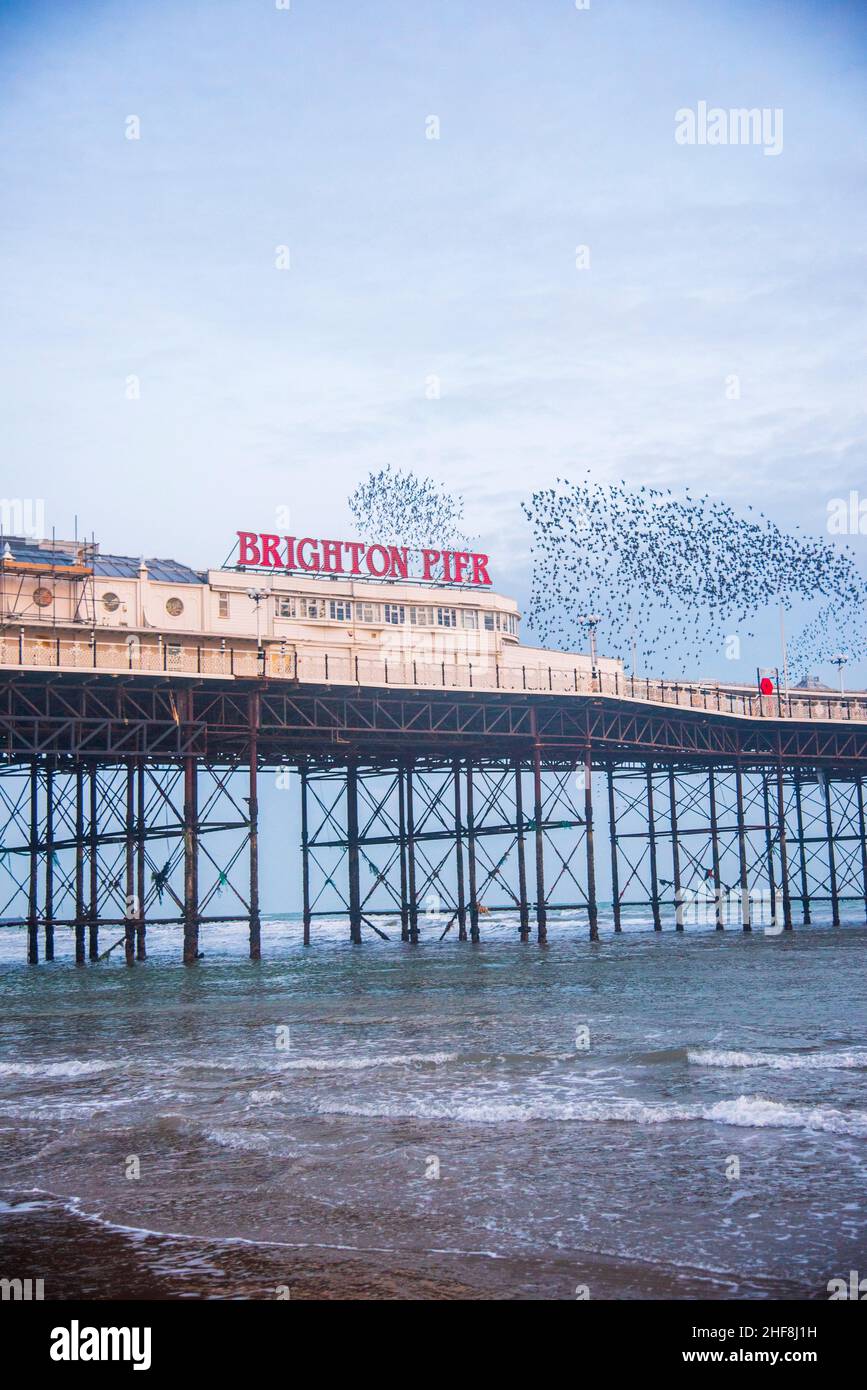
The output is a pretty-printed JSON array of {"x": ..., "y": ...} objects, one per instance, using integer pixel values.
[{"x": 656, "y": 1115}]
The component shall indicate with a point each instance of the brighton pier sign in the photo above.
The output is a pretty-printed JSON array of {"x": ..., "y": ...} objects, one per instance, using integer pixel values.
[{"x": 355, "y": 559}]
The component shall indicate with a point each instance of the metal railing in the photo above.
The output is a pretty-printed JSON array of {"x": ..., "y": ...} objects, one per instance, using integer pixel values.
[{"x": 345, "y": 668}]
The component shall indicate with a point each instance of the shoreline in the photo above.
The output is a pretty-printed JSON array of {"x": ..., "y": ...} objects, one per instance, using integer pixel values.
[{"x": 84, "y": 1257}]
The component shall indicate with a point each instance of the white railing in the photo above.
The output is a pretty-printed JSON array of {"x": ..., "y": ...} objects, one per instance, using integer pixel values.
[{"x": 509, "y": 674}]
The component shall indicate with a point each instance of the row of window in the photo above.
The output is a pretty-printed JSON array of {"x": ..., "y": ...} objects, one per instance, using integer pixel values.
[{"x": 339, "y": 610}]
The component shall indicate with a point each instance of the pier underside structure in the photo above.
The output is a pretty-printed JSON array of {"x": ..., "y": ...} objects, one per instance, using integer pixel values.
[{"x": 131, "y": 802}]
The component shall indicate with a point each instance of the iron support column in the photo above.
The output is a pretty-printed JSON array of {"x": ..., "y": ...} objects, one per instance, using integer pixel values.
[
  {"x": 410, "y": 857},
  {"x": 784, "y": 850},
  {"x": 471, "y": 857},
  {"x": 802, "y": 852},
  {"x": 401, "y": 815},
  {"x": 746, "y": 917},
  {"x": 523, "y": 905},
  {"x": 592, "y": 908},
  {"x": 253, "y": 804},
  {"x": 769, "y": 846},
  {"x": 305, "y": 858},
  {"x": 79, "y": 864},
  {"x": 33, "y": 864},
  {"x": 612, "y": 827},
  {"x": 129, "y": 867},
  {"x": 93, "y": 863},
  {"x": 140, "y": 862},
  {"x": 832, "y": 858},
  {"x": 352, "y": 854},
  {"x": 861, "y": 835},
  {"x": 191, "y": 862},
  {"x": 49, "y": 860},
  {"x": 459, "y": 853},
  {"x": 714, "y": 849},
  {"x": 651, "y": 831},
  {"x": 675, "y": 850},
  {"x": 541, "y": 913}
]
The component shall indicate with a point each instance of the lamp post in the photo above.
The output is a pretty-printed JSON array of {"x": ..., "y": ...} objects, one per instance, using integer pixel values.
[
  {"x": 590, "y": 621},
  {"x": 839, "y": 660},
  {"x": 257, "y": 596}
]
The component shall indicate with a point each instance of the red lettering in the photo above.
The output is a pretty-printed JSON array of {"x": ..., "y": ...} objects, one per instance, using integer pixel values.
[
  {"x": 356, "y": 550},
  {"x": 462, "y": 561},
  {"x": 430, "y": 558},
  {"x": 271, "y": 552},
  {"x": 249, "y": 550},
  {"x": 303, "y": 546},
  {"x": 331, "y": 561},
  {"x": 290, "y": 552},
  {"x": 379, "y": 550},
  {"x": 480, "y": 570},
  {"x": 448, "y": 577},
  {"x": 399, "y": 561}
]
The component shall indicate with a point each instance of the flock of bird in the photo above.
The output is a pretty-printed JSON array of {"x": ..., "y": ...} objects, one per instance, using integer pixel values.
[
  {"x": 678, "y": 576},
  {"x": 671, "y": 576},
  {"x": 397, "y": 508}
]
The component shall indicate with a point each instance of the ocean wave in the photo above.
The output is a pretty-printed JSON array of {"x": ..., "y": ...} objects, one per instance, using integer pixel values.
[
  {"x": 779, "y": 1061},
  {"x": 750, "y": 1111},
  {"x": 70, "y": 1069}
]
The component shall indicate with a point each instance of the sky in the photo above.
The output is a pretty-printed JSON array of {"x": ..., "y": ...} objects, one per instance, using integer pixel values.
[{"x": 168, "y": 383}]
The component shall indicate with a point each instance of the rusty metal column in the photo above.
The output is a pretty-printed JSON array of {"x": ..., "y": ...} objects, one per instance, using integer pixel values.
[
  {"x": 191, "y": 861},
  {"x": 523, "y": 905},
  {"x": 459, "y": 853},
  {"x": 802, "y": 852},
  {"x": 305, "y": 858},
  {"x": 49, "y": 860},
  {"x": 33, "y": 882},
  {"x": 352, "y": 854},
  {"x": 410, "y": 857},
  {"x": 140, "y": 883},
  {"x": 253, "y": 804},
  {"x": 861, "y": 833},
  {"x": 612, "y": 829},
  {"x": 746, "y": 918},
  {"x": 675, "y": 850},
  {"x": 93, "y": 862},
  {"x": 592, "y": 907},
  {"x": 79, "y": 863},
  {"x": 832, "y": 858},
  {"x": 401, "y": 815},
  {"x": 541, "y": 912},
  {"x": 471, "y": 857},
  {"x": 784, "y": 850},
  {"x": 129, "y": 865},
  {"x": 714, "y": 849},
  {"x": 769, "y": 846},
  {"x": 651, "y": 832}
]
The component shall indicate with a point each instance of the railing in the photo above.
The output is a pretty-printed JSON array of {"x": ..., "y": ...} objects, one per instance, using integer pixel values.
[{"x": 487, "y": 674}]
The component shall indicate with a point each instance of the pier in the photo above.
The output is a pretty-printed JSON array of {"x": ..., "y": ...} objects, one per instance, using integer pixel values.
[{"x": 432, "y": 796}]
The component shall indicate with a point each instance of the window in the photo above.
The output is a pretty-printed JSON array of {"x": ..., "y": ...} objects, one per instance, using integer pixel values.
[
  {"x": 312, "y": 608},
  {"x": 469, "y": 617},
  {"x": 395, "y": 613},
  {"x": 447, "y": 617},
  {"x": 489, "y": 622},
  {"x": 421, "y": 617},
  {"x": 173, "y": 657},
  {"x": 367, "y": 612},
  {"x": 340, "y": 610},
  {"x": 222, "y": 605},
  {"x": 285, "y": 607}
]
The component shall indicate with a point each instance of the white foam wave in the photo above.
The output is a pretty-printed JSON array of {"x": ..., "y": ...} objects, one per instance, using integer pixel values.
[
  {"x": 752, "y": 1111},
  {"x": 780, "y": 1061},
  {"x": 70, "y": 1069}
]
